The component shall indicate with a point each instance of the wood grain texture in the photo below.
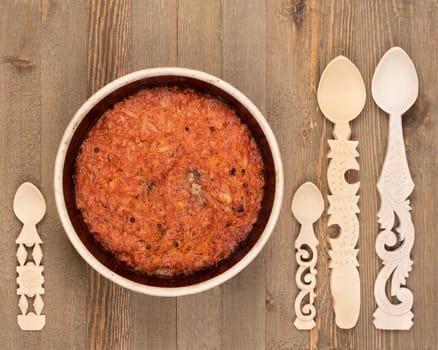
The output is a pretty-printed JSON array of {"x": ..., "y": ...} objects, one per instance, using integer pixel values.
[
  {"x": 292, "y": 116},
  {"x": 108, "y": 305},
  {"x": 20, "y": 115},
  {"x": 55, "y": 53},
  {"x": 63, "y": 53}
]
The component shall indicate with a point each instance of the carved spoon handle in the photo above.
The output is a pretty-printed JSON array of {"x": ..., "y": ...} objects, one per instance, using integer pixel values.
[
  {"x": 307, "y": 207},
  {"x": 306, "y": 257},
  {"x": 395, "y": 185},
  {"x": 345, "y": 289}
]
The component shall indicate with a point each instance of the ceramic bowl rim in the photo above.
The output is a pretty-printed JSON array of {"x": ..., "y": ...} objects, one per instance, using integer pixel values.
[{"x": 83, "y": 250}]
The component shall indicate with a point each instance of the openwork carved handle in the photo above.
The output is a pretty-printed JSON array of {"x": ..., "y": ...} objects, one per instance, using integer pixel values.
[
  {"x": 343, "y": 209},
  {"x": 306, "y": 257},
  {"x": 394, "y": 244},
  {"x": 30, "y": 279}
]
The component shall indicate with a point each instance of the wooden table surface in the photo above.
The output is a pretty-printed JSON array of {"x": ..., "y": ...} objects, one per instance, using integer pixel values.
[{"x": 55, "y": 54}]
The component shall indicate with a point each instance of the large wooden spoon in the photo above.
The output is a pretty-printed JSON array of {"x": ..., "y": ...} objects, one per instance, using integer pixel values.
[
  {"x": 394, "y": 89},
  {"x": 341, "y": 97}
]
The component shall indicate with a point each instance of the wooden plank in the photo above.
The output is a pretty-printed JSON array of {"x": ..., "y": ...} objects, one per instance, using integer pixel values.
[
  {"x": 370, "y": 160},
  {"x": 200, "y": 35},
  {"x": 199, "y": 320},
  {"x": 200, "y": 47},
  {"x": 20, "y": 124},
  {"x": 153, "y": 322},
  {"x": 154, "y": 39},
  {"x": 154, "y": 34},
  {"x": 421, "y": 130},
  {"x": 291, "y": 78},
  {"x": 108, "y": 41},
  {"x": 400, "y": 22},
  {"x": 108, "y": 306},
  {"x": 243, "y": 308},
  {"x": 334, "y": 44},
  {"x": 244, "y": 66},
  {"x": 63, "y": 58}
]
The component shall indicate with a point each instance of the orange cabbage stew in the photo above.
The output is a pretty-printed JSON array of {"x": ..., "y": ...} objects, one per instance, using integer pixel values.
[{"x": 169, "y": 181}]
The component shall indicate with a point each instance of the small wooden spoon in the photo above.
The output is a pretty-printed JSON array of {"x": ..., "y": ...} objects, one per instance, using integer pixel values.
[
  {"x": 341, "y": 97},
  {"x": 307, "y": 207},
  {"x": 30, "y": 207}
]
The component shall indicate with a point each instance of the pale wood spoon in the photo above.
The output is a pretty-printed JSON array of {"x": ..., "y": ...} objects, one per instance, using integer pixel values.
[
  {"x": 30, "y": 207},
  {"x": 307, "y": 207},
  {"x": 394, "y": 89},
  {"x": 341, "y": 97}
]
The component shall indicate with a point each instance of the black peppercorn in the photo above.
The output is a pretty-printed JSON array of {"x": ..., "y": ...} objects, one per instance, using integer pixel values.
[
  {"x": 233, "y": 171},
  {"x": 245, "y": 185},
  {"x": 96, "y": 149},
  {"x": 212, "y": 128},
  {"x": 132, "y": 219},
  {"x": 186, "y": 128},
  {"x": 151, "y": 185},
  {"x": 196, "y": 173},
  {"x": 240, "y": 208},
  {"x": 148, "y": 246}
]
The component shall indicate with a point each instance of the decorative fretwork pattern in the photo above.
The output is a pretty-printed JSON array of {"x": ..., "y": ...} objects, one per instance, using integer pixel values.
[
  {"x": 394, "y": 244},
  {"x": 30, "y": 281},
  {"x": 306, "y": 257}
]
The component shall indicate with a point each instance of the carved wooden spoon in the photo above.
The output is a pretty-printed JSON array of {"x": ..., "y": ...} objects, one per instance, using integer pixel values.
[
  {"x": 307, "y": 207},
  {"x": 394, "y": 89},
  {"x": 341, "y": 97},
  {"x": 30, "y": 207}
]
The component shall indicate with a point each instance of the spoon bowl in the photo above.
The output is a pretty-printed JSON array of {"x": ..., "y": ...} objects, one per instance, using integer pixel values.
[
  {"x": 307, "y": 203},
  {"x": 29, "y": 204},
  {"x": 341, "y": 91},
  {"x": 395, "y": 82}
]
